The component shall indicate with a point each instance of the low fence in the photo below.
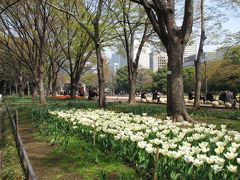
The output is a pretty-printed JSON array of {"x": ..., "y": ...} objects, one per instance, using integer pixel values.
[{"x": 27, "y": 167}]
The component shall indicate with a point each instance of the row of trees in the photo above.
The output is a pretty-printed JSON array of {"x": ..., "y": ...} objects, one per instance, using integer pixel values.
[
  {"x": 221, "y": 75},
  {"x": 39, "y": 38}
]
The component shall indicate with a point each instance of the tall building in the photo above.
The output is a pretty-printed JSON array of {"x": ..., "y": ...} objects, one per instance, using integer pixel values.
[
  {"x": 158, "y": 60},
  {"x": 144, "y": 56},
  {"x": 116, "y": 62},
  {"x": 189, "y": 55}
]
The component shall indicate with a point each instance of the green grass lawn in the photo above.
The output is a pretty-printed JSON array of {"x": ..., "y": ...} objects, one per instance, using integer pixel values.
[
  {"x": 87, "y": 160},
  {"x": 215, "y": 116},
  {"x": 10, "y": 164}
]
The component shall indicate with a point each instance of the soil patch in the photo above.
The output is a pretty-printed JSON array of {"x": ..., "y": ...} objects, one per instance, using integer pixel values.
[{"x": 38, "y": 151}]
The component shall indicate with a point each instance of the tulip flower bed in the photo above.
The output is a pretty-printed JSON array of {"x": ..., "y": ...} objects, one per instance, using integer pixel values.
[{"x": 160, "y": 147}]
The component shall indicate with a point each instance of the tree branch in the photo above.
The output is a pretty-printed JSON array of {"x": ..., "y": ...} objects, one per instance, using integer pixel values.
[
  {"x": 188, "y": 20},
  {"x": 15, "y": 2},
  {"x": 71, "y": 14}
]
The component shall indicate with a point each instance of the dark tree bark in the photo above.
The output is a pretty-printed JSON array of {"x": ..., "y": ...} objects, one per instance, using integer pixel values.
[
  {"x": 101, "y": 78},
  {"x": 41, "y": 21},
  {"x": 28, "y": 87},
  {"x": 34, "y": 93},
  {"x": 198, "y": 60},
  {"x": 100, "y": 59},
  {"x": 21, "y": 85},
  {"x": 54, "y": 78},
  {"x": 16, "y": 88},
  {"x": 10, "y": 88},
  {"x": 174, "y": 38}
]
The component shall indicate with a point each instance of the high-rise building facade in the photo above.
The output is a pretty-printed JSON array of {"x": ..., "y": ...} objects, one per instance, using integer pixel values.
[
  {"x": 117, "y": 61},
  {"x": 144, "y": 56},
  {"x": 158, "y": 60},
  {"x": 189, "y": 55}
]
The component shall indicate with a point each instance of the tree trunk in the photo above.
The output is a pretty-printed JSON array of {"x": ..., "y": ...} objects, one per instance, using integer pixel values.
[
  {"x": 21, "y": 85},
  {"x": 49, "y": 83},
  {"x": 40, "y": 82},
  {"x": 54, "y": 87},
  {"x": 198, "y": 60},
  {"x": 100, "y": 59},
  {"x": 101, "y": 79},
  {"x": 4, "y": 88},
  {"x": 73, "y": 88},
  {"x": 34, "y": 94},
  {"x": 54, "y": 78},
  {"x": 10, "y": 88},
  {"x": 197, "y": 84},
  {"x": 16, "y": 88},
  {"x": 28, "y": 88},
  {"x": 175, "y": 99},
  {"x": 132, "y": 92}
]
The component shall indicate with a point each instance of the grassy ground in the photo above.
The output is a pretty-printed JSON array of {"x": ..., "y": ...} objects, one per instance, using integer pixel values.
[
  {"x": 229, "y": 117},
  {"x": 10, "y": 164},
  {"x": 81, "y": 160}
]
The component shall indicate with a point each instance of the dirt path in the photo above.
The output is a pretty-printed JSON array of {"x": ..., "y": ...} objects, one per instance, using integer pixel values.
[{"x": 38, "y": 151}]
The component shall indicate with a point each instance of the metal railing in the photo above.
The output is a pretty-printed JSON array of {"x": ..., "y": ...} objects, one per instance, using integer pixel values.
[{"x": 27, "y": 167}]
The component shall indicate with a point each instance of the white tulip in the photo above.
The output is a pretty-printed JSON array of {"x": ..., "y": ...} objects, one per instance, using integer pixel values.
[
  {"x": 230, "y": 155},
  {"x": 221, "y": 143},
  {"x": 232, "y": 168},
  {"x": 188, "y": 159},
  {"x": 149, "y": 149},
  {"x": 196, "y": 149},
  {"x": 238, "y": 160},
  {"x": 219, "y": 161},
  {"x": 210, "y": 160},
  {"x": 216, "y": 168},
  {"x": 157, "y": 141},
  {"x": 197, "y": 162},
  {"x": 142, "y": 144},
  {"x": 235, "y": 145},
  {"x": 204, "y": 149},
  {"x": 202, "y": 157},
  {"x": 223, "y": 126}
]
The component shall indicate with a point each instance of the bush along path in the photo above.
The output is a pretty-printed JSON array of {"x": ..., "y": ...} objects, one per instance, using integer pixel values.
[
  {"x": 80, "y": 160},
  {"x": 10, "y": 167}
]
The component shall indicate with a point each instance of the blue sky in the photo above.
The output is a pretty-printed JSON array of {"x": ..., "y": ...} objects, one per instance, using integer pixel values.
[{"x": 232, "y": 24}]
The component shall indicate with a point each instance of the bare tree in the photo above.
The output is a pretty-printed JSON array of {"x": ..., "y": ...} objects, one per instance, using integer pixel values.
[
  {"x": 162, "y": 16},
  {"x": 28, "y": 21},
  {"x": 199, "y": 57},
  {"x": 97, "y": 30},
  {"x": 76, "y": 45},
  {"x": 12, "y": 59},
  {"x": 55, "y": 56},
  {"x": 131, "y": 23}
]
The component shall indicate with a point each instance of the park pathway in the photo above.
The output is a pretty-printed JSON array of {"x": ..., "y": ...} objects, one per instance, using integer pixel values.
[{"x": 39, "y": 151}]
